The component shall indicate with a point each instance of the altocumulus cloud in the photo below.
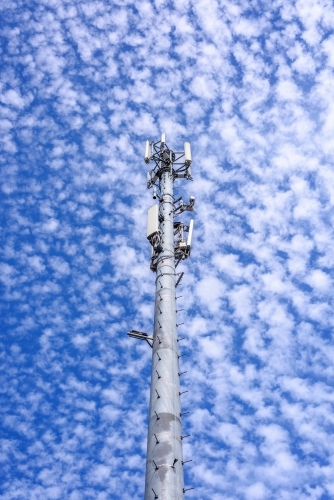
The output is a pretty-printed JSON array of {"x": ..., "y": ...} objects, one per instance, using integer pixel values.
[{"x": 250, "y": 86}]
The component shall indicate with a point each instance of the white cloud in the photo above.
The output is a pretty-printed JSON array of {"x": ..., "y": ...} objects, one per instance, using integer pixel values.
[
  {"x": 256, "y": 491},
  {"x": 319, "y": 280},
  {"x": 13, "y": 98}
]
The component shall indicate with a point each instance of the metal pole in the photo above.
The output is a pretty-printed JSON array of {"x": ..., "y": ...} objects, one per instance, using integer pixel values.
[
  {"x": 164, "y": 463},
  {"x": 164, "y": 468}
]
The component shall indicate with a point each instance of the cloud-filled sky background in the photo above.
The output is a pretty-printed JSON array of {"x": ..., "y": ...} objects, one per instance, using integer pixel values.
[{"x": 250, "y": 85}]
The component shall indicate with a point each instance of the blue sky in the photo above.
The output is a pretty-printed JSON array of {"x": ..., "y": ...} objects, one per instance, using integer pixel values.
[{"x": 250, "y": 86}]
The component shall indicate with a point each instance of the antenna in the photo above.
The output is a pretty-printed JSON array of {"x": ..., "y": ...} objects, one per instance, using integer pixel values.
[
  {"x": 190, "y": 234},
  {"x": 164, "y": 462},
  {"x": 187, "y": 153},
  {"x": 147, "y": 152}
]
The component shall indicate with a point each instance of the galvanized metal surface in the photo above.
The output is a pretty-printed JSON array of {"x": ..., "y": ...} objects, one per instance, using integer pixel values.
[{"x": 164, "y": 469}]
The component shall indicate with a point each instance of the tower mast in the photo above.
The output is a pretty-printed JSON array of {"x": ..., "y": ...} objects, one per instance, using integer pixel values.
[{"x": 164, "y": 462}]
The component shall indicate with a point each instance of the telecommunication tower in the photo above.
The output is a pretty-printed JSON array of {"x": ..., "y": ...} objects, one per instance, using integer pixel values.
[{"x": 169, "y": 246}]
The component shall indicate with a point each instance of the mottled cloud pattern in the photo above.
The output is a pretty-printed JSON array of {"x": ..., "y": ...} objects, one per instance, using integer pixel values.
[{"x": 250, "y": 85}]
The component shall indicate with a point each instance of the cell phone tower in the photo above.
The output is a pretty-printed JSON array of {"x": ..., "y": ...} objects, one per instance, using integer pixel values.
[{"x": 164, "y": 462}]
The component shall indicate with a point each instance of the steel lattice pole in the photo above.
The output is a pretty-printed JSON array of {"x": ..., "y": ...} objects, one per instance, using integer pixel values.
[{"x": 164, "y": 467}]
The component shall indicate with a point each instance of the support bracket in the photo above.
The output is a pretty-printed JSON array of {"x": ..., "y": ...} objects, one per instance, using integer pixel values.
[{"x": 141, "y": 336}]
